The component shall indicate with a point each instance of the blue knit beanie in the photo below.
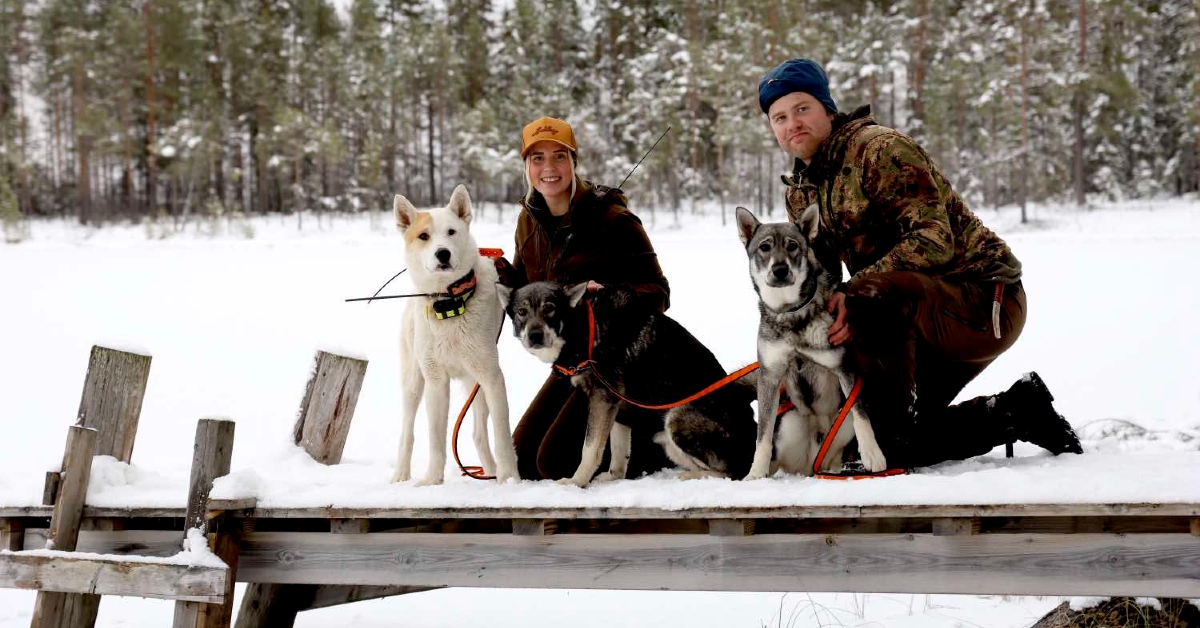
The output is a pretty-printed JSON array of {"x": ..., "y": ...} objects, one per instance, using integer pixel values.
[{"x": 795, "y": 75}]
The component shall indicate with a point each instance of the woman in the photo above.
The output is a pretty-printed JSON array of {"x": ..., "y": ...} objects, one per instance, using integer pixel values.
[{"x": 569, "y": 231}]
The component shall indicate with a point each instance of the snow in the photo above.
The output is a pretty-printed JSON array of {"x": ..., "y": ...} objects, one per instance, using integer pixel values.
[{"x": 233, "y": 323}]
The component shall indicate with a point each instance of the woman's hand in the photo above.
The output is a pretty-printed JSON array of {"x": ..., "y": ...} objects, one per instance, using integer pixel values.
[
  {"x": 593, "y": 286},
  {"x": 839, "y": 331}
]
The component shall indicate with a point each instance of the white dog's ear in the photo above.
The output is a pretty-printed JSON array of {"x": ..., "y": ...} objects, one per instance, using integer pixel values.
[
  {"x": 460, "y": 203},
  {"x": 575, "y": 293},
  {"x": 747, "y": 224},
  {"x": 505, "y": 294},
  {"x": 810, "y": 221},
  {"x": 405, "y": 212}
]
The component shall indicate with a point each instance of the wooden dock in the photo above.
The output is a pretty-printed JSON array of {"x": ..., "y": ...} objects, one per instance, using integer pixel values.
[{"x": 304, "y": 558}]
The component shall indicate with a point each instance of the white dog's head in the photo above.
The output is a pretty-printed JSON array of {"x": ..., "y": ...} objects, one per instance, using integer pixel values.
[{"x": 438, "y": 243}]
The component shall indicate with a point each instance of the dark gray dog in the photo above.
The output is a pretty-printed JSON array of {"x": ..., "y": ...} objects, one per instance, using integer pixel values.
[
  {"x": 646, "y": 357},
  {"x": 793, "y": 287}
]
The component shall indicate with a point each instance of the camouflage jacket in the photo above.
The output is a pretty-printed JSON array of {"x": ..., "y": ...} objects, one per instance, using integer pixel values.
[{"x": 885, "y": 207}]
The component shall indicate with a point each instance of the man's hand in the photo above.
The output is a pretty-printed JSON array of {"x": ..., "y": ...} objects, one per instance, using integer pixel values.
[
  {"x": 593, "y": 286},
  {"x": 839, "y": 331}
]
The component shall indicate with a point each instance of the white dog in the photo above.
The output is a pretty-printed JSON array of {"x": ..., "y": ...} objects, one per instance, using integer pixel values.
[{"x": 450, "y": 336}]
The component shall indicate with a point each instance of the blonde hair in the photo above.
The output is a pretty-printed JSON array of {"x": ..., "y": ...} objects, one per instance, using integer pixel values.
[{"x": 529, "y": 180}]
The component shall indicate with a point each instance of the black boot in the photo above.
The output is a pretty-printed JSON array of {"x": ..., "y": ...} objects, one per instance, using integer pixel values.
[{"x": 1027, "y": 410}]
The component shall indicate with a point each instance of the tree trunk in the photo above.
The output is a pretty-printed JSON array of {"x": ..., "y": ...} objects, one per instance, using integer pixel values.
[
  {"x": 1024, "y": 183},
  {"x": 151, "y": 188},
  {"x": 1080, "y": 182}
]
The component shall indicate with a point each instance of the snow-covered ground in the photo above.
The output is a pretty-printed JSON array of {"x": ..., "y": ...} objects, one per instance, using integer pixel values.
[{"x": 232, "y": 323}]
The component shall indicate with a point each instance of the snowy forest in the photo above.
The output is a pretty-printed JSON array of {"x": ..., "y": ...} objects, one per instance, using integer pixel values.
[{"x": 127, "y": 109}]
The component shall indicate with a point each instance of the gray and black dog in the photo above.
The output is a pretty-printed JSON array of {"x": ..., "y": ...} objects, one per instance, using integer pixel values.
[
  {"x": 647, "y": 357},
  {"x": 793, "y": 288}
]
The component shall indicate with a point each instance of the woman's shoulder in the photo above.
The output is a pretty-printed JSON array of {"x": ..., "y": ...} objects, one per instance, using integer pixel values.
[{"x": 605, "y": 203}]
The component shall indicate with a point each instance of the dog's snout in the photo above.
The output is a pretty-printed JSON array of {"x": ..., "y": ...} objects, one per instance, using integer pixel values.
[
  {"x": 536, "y": 337},
  {"x": 780, "y": 271},
  {"x": 443, "y": 256}
]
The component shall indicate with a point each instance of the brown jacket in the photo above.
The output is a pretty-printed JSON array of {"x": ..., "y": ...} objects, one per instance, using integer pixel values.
[{"x": 599, "y": 240}]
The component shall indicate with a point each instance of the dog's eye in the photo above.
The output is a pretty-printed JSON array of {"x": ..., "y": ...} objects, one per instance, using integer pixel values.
[
  {"x": 792, "y": 245},
  {"x": 522, "y": 312},
  {"x": 764, "y": 247},
  {"x": 423, "y": 236},
  {"x": 548, "y": 309},
  {"x": 451, "y": 232}
]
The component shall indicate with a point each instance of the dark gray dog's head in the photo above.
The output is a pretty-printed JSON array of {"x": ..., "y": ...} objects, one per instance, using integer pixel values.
[
  {"x": 782, "y": 263},
  {"x": 538, "y": 311}
]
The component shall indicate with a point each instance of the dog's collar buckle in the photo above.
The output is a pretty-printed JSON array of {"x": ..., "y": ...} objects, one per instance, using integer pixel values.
[
  {"x": 453, "y": 302},
  {"x": 572, "y": 371}
]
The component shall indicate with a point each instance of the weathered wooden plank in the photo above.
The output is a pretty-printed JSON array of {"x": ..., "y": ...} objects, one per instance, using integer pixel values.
[
  {"x": 274, "y": 605},
  {"x": 56, "y": 608},
  {"x": 1196, "y": 527},
  {"x": 328, "y": 406},
  {"x": 349, "y": 526},
  {"x": 955, "y": 526},
  {"x": 112, "y": 399},
  {"x": 335, "y": 595},
  {"x": 50, "y": 487},
  {"x": 12, "y": 534},
  {"x": 110, "y": 576},
  {"x": 1018, "y": 564},
  {"x": 149, "y": 543},
  {"x": 775, "y": 512},
  {"x": 211, "y": 456}
]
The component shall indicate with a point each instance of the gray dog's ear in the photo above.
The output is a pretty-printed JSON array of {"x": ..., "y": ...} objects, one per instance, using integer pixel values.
[
  {"x": 505, "y": 294},
  {"x": 575, "y": 293},
  {"x": 747, "y": 224},
  {"x": 810, "y": 221}
]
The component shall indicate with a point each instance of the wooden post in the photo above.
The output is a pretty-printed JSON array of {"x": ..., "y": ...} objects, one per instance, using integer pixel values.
[
  {"x": 12, "y": 535},
  {"x": 112, "y": 399},
  {"x": 211, "y": 456},
  {"x": 731, "y": 527},
  {"x": 53, "y": 609},
  {"x": 321, "y": 429},
  {"x": 328, "y": 406},
  {"x": 955, "y": 526}
]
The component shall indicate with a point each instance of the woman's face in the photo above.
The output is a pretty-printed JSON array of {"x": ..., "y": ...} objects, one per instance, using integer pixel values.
[{"x": 550, "y": 168}]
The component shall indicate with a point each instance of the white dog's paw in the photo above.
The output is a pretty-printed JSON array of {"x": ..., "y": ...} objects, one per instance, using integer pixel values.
[
  {"x": 429, "y": 481},
  {"x": 504, "y": 476},
  {"x": 607, "y": 476},
  {"x": 401, "y": 475},
  {"x": 758, "y": 472},
  {"x": 573, "y": 482},
  {"x": 873, "y": 460}
]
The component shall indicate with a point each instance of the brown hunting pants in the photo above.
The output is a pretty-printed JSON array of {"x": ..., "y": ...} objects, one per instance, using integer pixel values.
[
  {"x": 917, "y": 341},
  {"x": 549, "y": 438}
]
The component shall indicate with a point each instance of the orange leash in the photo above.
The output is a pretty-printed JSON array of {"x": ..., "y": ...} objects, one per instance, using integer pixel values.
[
  {"x": 837, "y": 425},
  {"x": 472, "y": 471}
]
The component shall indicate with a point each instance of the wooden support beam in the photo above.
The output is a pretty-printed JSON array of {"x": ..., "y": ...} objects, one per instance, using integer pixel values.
[
  {"x": 50, "y": 488},
  {"x": 211, "y": 456},
  {"x": 63, "y": 574},
  {"x": 532, "y": 527},
  {"x": 349, "y": 526},
  {"x": 112, "y": 399},
  {"x": 1155, "y": 565},
  {"x": 12, "y": 535},
  {"x": 1196, "y": 526},
  {"x": 274, "y": 605},
  {"x": 731, "y": 527},
  {"x": 336, "y": 595},
  {"x": 53, "y": 609},
  {"x": 955, "y": 526},
  {"x": 328, "y": 406}
]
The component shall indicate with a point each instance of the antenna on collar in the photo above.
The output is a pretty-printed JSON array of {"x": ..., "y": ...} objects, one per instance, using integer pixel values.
[{"x": 635, "y": 167}]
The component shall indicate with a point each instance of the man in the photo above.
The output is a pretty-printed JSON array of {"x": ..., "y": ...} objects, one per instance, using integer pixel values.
[{"x": 933, "y": 297}]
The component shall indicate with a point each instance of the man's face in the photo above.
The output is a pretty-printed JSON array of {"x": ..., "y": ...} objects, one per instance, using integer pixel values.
[{"x": 800, "y": 123}]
